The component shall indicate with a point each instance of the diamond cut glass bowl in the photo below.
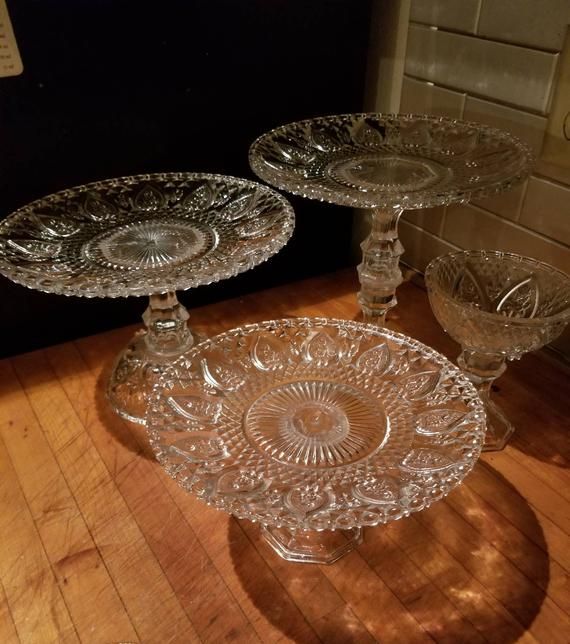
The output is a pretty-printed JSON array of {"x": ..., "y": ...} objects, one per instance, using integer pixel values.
[
  {"x": 388, "y": 163},
  {"x": 314, "y": 428},
  {"x": 148, "y": 235},
  {"x": 498, "y": 306}
]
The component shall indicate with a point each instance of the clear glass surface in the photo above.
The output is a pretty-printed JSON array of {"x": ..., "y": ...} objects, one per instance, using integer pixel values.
[
  {"x": 386, "y": 160},
  {"x": 498, "y": 306},
  {"x": 144, "y": 235},
  {"x": 315, "y": 424},
  {"x": 388, "y": 163}
]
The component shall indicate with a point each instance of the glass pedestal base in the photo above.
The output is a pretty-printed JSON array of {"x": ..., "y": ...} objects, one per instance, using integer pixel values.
[
  {"x": 310, "y": 546},
  {"x": 499, "y": 428},
  {"x": 134, "y": 374}
]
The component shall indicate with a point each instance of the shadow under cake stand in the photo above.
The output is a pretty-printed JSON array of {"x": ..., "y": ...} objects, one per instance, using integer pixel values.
[
  {"x": 388, "y": 163},
  {"x": 147, "y": 235},
  {"x": 315, "y": 428}
]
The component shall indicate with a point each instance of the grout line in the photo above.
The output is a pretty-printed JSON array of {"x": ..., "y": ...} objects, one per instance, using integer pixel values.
[
  {"x": 442, "y": 222},
  {"x": 435, "y": 237},
  {"x": 522, "y": 199},
  {"x": 478, "y": 16},
  {"x": 481, "y": 97},
  {"x": 476, "y": 36},
  {"x": 547, "y": 179},
  {"x": 520, "y": 227}
]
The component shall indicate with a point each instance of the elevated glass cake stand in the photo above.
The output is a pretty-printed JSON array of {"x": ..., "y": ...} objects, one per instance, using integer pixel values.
[
  {"x": 144, "y": 235},
  {"x": 388, "y": 163},
  {"x": 315, "y": 428}
]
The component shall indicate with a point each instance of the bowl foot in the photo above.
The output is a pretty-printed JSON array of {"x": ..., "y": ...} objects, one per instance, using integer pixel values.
[{"x": 499, "y": 428}]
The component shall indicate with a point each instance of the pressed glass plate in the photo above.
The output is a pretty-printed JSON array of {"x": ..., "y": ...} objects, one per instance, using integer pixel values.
[
  {"x": 143, "y": 234},
  {"x": 388, "y": 163},
  {"x": 315, "y": 424},
  {"x": 386, "y": 160}
]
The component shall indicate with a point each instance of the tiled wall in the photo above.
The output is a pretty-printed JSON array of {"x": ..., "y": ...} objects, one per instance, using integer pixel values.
[{"x": 495, "y": 62}]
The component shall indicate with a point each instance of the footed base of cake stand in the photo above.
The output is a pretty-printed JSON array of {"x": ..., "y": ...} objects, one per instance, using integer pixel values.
[
  {"x": 310, "y": 546},
  {"x": 135, "y": 372},
  {"x": 141, "y": 363}
]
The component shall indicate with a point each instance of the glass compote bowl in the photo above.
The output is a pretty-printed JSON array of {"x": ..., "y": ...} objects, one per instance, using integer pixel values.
[
  {"x": 148, "y": 235},
  {"x": 314, "y": 428},
  {"x": 498, "y": 306},
  {"x": 388, "y": 163}
]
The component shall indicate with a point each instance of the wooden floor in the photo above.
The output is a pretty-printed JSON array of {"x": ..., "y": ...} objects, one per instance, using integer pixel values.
[{"x": 98, "y": 545}]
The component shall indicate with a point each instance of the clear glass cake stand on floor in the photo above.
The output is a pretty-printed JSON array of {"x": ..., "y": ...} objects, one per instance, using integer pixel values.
[
  {"x": 148, "y": 235},
  {"x": 388, "y": 163},
  {"x": 315, "y": 428}
]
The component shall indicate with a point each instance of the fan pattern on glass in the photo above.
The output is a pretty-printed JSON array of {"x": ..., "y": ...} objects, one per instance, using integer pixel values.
[
  {"x": 143, "y": 234},
  {"x": 315, "y": 423},
  {"x": 386, "y": 160},
  {"x": 496, "y": 302}
]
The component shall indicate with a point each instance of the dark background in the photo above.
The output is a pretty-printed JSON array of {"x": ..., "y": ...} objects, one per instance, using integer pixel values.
[{"x": 113, "y": 88}]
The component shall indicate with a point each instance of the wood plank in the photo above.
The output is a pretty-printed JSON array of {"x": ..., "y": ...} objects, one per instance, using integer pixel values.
[
  {"x": 33, "y": 596},
  {"x": 8, "y": 634},
  {"x": 227, "y": 603},
  {"x": 505, "y": 582},
  {"x": 531, "y": 559},
  {"x": 471, "y": 598},
  {"x": 552, "y": 504},
  {"x": 77, "y": 563},
  {"x": 422, "y": 598},
  {"x": 83, "y": 493},
  {"x": 201, "y": 591},
  {"x": 364, "y": 591},
  {"x": 330, "y": 617},
  {"x": 136, "y": 573},
  {"x": 499, "y": 494},
  {"x": 262, "y": 598}
]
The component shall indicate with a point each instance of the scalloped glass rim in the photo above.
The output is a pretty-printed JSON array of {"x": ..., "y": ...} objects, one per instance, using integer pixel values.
[
  {"x": 448, "y": 478},
  {"x": 225, "y": 268},
  {"x": 432, "y": 285},
  {"x": 406, "y": 201}
]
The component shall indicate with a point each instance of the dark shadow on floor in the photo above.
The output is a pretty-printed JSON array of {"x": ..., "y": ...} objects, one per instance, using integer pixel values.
[{"x": 458, "y": 547}]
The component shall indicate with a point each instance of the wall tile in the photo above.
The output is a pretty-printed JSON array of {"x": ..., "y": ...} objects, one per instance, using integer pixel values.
[
  {"x": 527, "y": 127},
  {"x": 535, "y": 23},
  {"x": 459, "y": 15},
  {"x": 546, "y": 209},
  {"x": 507, "y": 73},
  {"x": 507, "y": 204},
  {"x": 472, "y": 228},
  {"x": 421, "y": 247},
  {"x": 421, "y": 97},
  {"x": 430, "y": 219}
]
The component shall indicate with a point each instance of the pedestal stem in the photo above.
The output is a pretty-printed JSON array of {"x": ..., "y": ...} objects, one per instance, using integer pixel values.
[
  {"x": 483, "y": 369},
  {"x": 379, "y": 271},
  {"x": 167, "y": 331}
]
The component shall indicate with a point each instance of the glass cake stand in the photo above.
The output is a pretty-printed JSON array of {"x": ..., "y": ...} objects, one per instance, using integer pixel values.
[
  {"x": 144, "y": 235},
  {"x": 315, "y": 428},
  {"x": 388, "y": 163}
]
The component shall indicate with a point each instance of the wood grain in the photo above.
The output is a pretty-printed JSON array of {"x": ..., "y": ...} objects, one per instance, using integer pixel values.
[{"x": 98, "y": 545}]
